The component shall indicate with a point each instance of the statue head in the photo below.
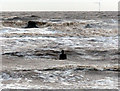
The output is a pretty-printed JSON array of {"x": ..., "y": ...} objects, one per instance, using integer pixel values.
[{"x": 62, "y": 51}]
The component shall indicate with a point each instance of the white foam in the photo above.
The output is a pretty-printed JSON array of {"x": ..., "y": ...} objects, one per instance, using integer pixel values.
[
  {"x": 84, "y": 42},
  {"x": 107, "y": 82},
  {"x": 27, "y": 30}
]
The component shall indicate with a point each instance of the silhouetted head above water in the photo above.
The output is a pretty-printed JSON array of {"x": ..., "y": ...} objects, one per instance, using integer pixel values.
[
  {"x": 31, "y": 24},
  {"x": 88, "y": 26},
  {"x": 62, "y": 51},
  {"x": 62, "y": 55}
]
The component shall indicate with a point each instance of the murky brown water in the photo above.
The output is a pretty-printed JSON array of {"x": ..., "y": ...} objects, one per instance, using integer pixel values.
[{"x": 30, "y": 56}]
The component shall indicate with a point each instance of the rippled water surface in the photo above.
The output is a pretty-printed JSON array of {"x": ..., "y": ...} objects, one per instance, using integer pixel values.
[{"x": 30, "y": 56}]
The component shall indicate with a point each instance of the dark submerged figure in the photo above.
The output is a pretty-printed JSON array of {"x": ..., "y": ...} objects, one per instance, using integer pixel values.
[
  {"x": 62, "y": 55},
  {"x": 31, "y": 24}
]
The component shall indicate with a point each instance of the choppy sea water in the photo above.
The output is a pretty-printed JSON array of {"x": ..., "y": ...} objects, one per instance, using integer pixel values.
[{"x": 92, "y": 54}]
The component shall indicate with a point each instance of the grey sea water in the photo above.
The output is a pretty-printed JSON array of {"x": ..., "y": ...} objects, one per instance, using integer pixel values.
[{"x": 30, "y": 57}]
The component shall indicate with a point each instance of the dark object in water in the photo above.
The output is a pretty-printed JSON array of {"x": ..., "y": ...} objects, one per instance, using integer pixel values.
[
  {"x": 88, "y": 26},
  {"x": 31, "y": 24},
  {"x": 18, "y": 54},
  {"x": 34, "y": 16},
  {"x": 62, "y": 55}
]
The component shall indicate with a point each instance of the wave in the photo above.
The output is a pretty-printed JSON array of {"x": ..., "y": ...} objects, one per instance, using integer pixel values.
[{"x": 75, "y": 68}]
